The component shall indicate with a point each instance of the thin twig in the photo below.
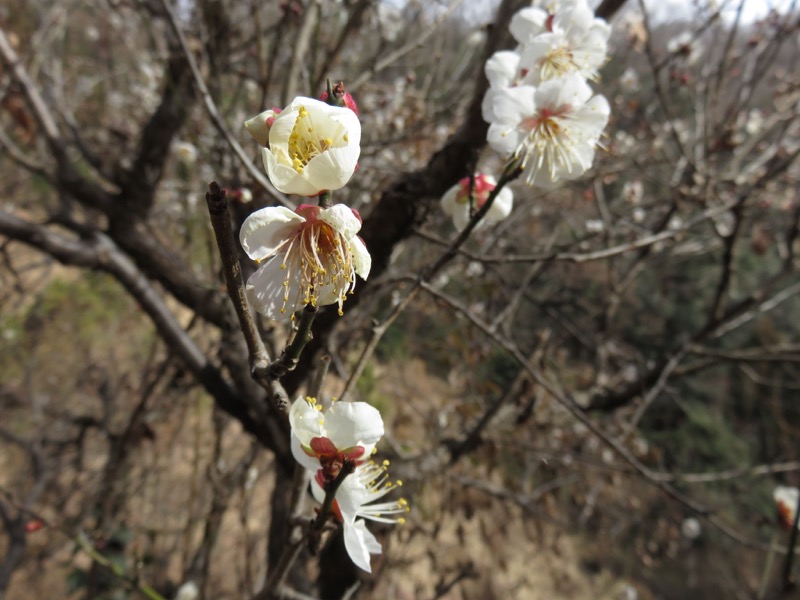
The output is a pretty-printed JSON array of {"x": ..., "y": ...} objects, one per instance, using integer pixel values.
[
  {"x": 213, "y": 112},
  {"x": 511, "y": 172}
]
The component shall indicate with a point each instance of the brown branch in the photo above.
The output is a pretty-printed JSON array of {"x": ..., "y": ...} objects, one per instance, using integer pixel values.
[
  {"x": 100, "y": 252},
  {"x": 213, "y": 112},
  {"x": 572, "y": 407},
  {"x": 232, "y": 270}
]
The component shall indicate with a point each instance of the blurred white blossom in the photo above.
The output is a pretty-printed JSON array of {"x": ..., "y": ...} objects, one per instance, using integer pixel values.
[{"x": 458, "y": 203}]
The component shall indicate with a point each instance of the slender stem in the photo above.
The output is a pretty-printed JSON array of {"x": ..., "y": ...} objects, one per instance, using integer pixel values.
[
  {"x": 762, "y": 586},
  {"x": 315, "y": 531},
  {"x": 220, "y": 221},
  {"x": 118, "y": 572},
  {"x": 511, "y": 172},
  {"x": 291, "y": 355},
  {"x": 213, "y": 112}
]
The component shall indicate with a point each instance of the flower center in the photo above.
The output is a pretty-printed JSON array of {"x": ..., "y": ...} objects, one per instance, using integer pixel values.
[
  {"x": 321, "y": 258},
  {"x": 305, "y": 143},
  {"x": 557, "y": 63},
  {"x": 548, "y": 143}
]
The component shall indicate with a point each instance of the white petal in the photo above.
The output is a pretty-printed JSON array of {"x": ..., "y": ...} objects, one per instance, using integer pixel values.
[
  {"x": 555, "y": 94},
  {"x": 504, "y": 138},
  {"x": 502, "y": 68},
  {"x": 332, "y": 169},
  {"x": 362, "y": 260},
  {"x": 461, "y": 216},
  {"x": 265, "y": 231},
  {"x": 282, "y": 128},
  {"x": 258, "y": 127},
  {"x": 354, "y": 424},
  {"x": 360, "y": 543},
  {"x": 265, "y": 290},
  {"x": 341, "y": 219},
  {"x": 514, "y": 104},
  {"x": 574, "y": 17},
  {"x": 307, "y": 462},
  {"x": 501, "y": 207},
  {"x": 306, "y": 421},
  {"x": 316, "y": 489},
  {"x": 593, "y": 117},
  {"x": 448, "y": 202},
  {"x": 528, "y": 23},
  {"x": 487, "y": 106},
  {"x": 351, "y": 496},
  {"x": 284, "y": 177},
  {"x": 349, "y": 120}
]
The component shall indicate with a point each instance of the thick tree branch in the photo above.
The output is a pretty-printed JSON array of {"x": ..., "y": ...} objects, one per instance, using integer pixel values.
[{"x": 99, "y": 252}]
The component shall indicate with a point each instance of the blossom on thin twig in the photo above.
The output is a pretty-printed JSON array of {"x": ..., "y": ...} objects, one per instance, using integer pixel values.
[
  {"x": 786, "y": 499},
  {"x": 357, "y": 500},
  {"x": 312, "y": 257},
  {"x": 310, "y": 146},
  {"x": 456, "y": 201},
  {"x": 322, "y": 441},
  {"x": 551, "y": 129}
]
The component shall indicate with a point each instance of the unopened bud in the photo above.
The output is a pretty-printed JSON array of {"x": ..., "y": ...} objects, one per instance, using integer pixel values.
[{"x": 340, "y": 97}]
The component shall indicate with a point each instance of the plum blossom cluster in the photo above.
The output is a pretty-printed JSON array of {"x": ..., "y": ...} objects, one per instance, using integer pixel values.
[
  {"x": 540, "y": 108},
  {"x": 309, "y": 256},
  {"x": 344, "y": 437}
]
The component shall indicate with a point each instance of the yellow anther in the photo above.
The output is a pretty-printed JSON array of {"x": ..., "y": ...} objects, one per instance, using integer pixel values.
[
  {"x": 399, "y": 483},
  {"x": 401, "y": 521},
  {"x": 386, "y": 463}
]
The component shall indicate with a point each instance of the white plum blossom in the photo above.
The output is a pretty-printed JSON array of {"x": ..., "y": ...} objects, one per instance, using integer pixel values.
[
  {"x": 574, "y": 41},
  {"x": 311, "y": 254},
  {"x": 357, "y": 499},
  {"x": 456, "y": 201},
  {"x": 186, "y": 152},
  {"x": 786, "y": 499},
  {"x": 188, "y": 591},
  {"x": 311, "y": 146},
  {"x": 633, "y": 191},
  {"x": 594, "y": 225},
  {"x": 551, "y": 129},
  {"x": 691, "y": 528},
  {"x": 323, "y": 440},
  {"x": 344, "y": 437},
  {"x": 629, "y": 81},
  {"x": 686, "y": 46}
]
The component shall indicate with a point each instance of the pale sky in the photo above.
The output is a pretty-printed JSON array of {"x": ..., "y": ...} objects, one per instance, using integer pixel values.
[{"x": 752, "y": 11}]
